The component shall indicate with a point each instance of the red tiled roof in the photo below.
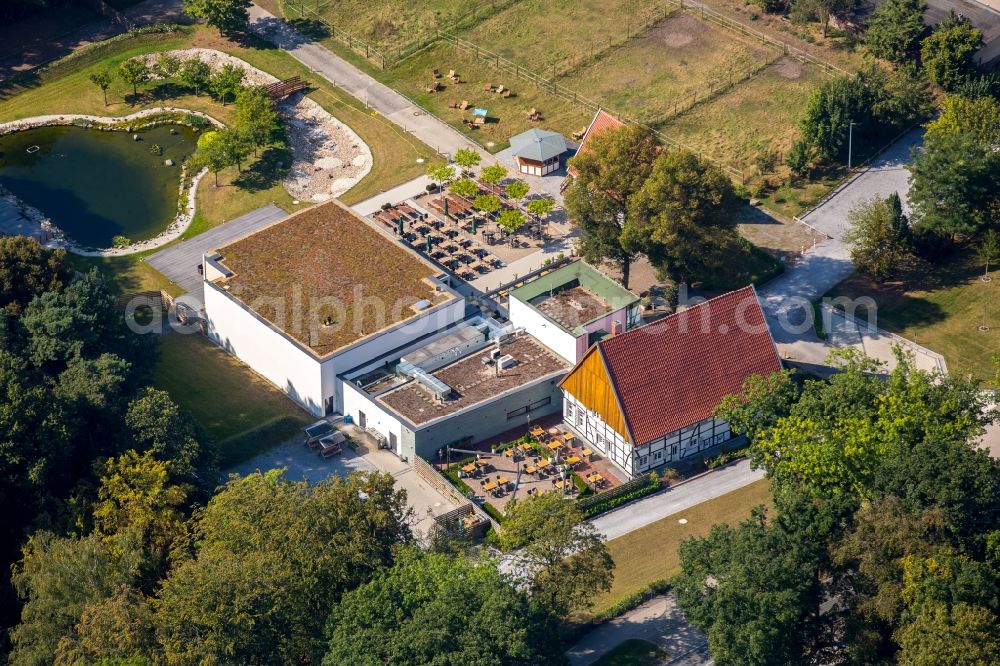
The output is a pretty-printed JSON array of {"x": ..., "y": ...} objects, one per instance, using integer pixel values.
[
  {"x": 602, "y": 122},
  {"x": 673, "y": 372}
]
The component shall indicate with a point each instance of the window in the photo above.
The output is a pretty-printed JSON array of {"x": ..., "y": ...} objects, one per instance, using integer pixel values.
[
  {"x": 579, "y": 417},
  {"x": 719, "y": 439},
  {"x": 643, "y": 460},
  {"x": 658, "y": 455},
  {"x": 521, "y": 411},
  {"x": 673, "y": 450},
  {"x": 569, "y": 411}
]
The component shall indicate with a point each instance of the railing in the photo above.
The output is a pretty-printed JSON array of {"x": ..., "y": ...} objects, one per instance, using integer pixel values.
[{"x": 444, "y": 486}]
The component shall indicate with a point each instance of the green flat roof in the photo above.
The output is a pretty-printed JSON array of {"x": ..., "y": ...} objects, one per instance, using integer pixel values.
[{"x": 578, "y": 274}]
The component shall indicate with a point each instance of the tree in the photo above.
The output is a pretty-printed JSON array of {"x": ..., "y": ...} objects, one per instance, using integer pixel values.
[
  {"x": 517, "y": 190},
  {"x": 762, "y": 400},
  {"x": 58, "y": 577},
  {"x": 948, "y": 53},
  {"x": 682, "y": 214},
  {"x": 988, "y": 250},
  {"x": 194, "y": 74},
  {"x": 959, "y": 115},
  {"x": 440, "y": 173},
  {"x": 598, "y": 201},
  {"x": 439, "y": 609},
  {"x": 465, "y": 188},
  {"x": 167, "y": 66},
  {"x": 157, "y": 424},
  {"x": 556, "y": 552},
  {"x": 139, "y": 507},
  {"x": 133, "y": 72},
  {"x": 114, "y": 631},
  {"x": 27, "y": 270},
  {"x": 102, "y": 80},
  {"x": 493, "y": 174},
  {"x": 467, "y": 158},
  {"x": 511, "y": 219},
  {"x": 488, "y": 203},
  {"x": 962, "y": 634},
  {"x": 256, "y": 116},
  {"x": 754, "y": 590},
  {"x": 227, "y": 81},
  {"x": 798, "y": 158},
  {"x": 952, "y": 185},
  {"x": 822, "y": 10},
  {"x": 879, "y": 236},
  {"x": 895, "y": 29},
  {"x": 541, "y": 207},
  {"x": 229, "y": 16},
  {"x": 233, "y": 147},
  {"x": 212, "y": 153},
  {"x": 270, "y": 558}
]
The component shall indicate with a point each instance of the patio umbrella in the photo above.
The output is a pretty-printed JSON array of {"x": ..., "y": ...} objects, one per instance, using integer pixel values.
[
  {"x": 399, "y": 226},
  {"x": 475, "y": 225},
  {"x": 429, "y": 247},
  {"x": 446, "y": 206}
]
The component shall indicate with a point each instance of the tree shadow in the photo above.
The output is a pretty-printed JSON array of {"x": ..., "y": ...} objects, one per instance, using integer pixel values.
[
  {"x": 266, "y": 172},
  {"x": 311, "y": 28}
]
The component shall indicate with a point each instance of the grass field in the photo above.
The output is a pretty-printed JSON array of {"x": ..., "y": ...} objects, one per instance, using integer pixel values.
[
  {"x": 758, "y": 115},
  {"x": 633, "y": 652},
  {"x": 650, "y": 554},
  {"x": 507, "y": 116},
  {"x": 238, "y": 410},
  {"x": 555, "y": 35},
  {"x": 940, "y": 307},
  {"x": 681, "y": 56}
]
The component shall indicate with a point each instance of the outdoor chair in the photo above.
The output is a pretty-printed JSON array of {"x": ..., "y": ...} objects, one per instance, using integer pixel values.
[
  {"x": 453, "y": 104},
  {"x": 451, "y": 74},
  {"x": 508, "y": 93},
  {"x": 464, "y": 105},
  {"x": 436, "y": 73}
]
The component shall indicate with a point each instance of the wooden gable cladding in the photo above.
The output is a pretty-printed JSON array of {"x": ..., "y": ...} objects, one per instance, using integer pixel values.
[{"x": 590, "y": 384}]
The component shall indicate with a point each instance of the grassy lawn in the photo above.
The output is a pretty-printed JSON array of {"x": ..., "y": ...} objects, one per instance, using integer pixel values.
[
  {"x": 634, "y": 652},
  {"x": 386, "y": 24},
  {"x": 556, "y": 35},
  {"x": 758, "y": 115},
  {"x": 127, "y": 274},
  {"x": 507, "y": 116},
  {"x": 650, "y": 554},
  {"x": 941, "y": 307},
  {"x": 679, "y": 57},
  {"x": 238, "y": 410}
]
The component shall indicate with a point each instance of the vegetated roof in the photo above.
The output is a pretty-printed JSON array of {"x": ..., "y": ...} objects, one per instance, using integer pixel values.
[
  {"x": 574, "y": 295},
  {"x": 538, "y": 145},
  {"x": 472, "y": 382},
  {"x": 673, "y": 372},
  {"x": 602, "y": 122},
  {"x": 327, "y": 278}
]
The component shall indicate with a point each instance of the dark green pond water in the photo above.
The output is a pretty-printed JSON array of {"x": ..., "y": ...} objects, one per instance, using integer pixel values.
[{"x": 96, "y": 185}]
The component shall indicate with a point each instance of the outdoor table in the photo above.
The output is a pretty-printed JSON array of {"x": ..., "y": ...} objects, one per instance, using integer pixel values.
[
  {"x": 569, "y": 437},
  {"x": 572, "y": 460},
  {"x": 503, "y": 480},
  {"x": 544, "y": 463},
  {"x": 490, "y": 486},
  {"x": 524, "y": 447},
  {"x": 508, "y": 453},
  {"x": 470, "y": 468},
  {"x": 537, "y": 432},
  {"x": 531, "y": 469},
  {"x": 482, "y": 462},
  {"x": 560, "y": 484},
  {"x": 586, "y": 452},
  {"x": 554, "y": 446}
]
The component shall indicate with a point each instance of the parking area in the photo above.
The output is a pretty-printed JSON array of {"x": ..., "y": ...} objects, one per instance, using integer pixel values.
[{"x": 180, "y": 262}]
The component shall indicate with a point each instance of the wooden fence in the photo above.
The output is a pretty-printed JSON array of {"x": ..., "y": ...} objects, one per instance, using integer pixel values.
[{"x": 444, "y": 486}]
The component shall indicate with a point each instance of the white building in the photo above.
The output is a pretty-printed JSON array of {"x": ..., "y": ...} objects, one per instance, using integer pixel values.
[
  {"x": 318, "y": 293},
  {"x": 573, "y": 307},
  {"x": 646, "y": 398}
]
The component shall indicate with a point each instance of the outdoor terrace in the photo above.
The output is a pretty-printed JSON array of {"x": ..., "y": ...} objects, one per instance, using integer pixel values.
[
  {"x": 327, "y": 278},
  {"x": 472, "y": 382},
  {"x": 571, "y": 307}
]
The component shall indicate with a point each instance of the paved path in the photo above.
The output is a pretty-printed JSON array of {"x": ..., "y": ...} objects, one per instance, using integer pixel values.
[
  {"x": 658, "y": 621},
  {"x": 787, "y": 299},
  {"x": 180, "y": 262},
  {"x": 436, "y": 134},
  {"x": 650, "y": 509}
]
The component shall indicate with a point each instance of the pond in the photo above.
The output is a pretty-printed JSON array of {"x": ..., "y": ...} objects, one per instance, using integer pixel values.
[{"x": 95, "y": 184}]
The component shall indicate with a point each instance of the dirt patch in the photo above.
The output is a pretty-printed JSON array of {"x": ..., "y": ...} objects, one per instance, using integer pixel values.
[
  {"x": 678, "y": 31},
  {"x": 787, "y": 68}
]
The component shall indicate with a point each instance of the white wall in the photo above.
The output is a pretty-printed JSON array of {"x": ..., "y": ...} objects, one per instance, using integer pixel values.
[
  {"x": 356, "y": 400},
  {"x": 237, "y": 330},
  {"x": 548, "y": 333}
]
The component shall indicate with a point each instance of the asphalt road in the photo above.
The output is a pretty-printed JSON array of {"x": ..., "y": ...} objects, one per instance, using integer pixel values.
[{"x": 180, "y": 262}]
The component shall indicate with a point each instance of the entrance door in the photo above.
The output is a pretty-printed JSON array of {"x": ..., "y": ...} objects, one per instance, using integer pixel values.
[
  {"x": 362, "y": 421},
  {"x": 393, "y": 443},
  {"x": 329, "y": 405}
]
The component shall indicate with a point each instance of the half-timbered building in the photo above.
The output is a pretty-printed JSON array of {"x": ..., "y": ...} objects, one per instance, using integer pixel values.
[{"x": 646, "y": 398}]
